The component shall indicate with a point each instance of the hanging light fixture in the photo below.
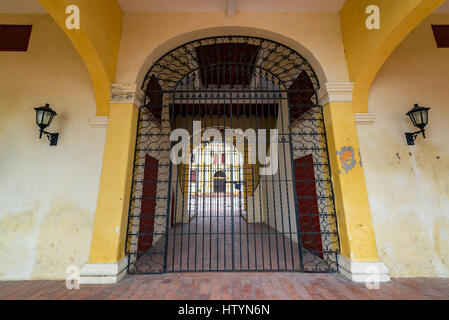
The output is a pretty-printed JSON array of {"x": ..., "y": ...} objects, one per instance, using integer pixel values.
[
  {"x": 44, "y": 117},
  {"x": 419, "y": 117}
]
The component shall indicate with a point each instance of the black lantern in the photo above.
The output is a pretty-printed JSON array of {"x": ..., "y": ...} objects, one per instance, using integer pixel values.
[
  {"x": 44, "y": 117},
  {"x": 419, "y": 117}
]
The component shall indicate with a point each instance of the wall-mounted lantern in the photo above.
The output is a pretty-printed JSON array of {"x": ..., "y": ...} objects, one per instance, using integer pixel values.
[
  {"x": 44, "y": 117},
  {"x": 419, "y": 117}
]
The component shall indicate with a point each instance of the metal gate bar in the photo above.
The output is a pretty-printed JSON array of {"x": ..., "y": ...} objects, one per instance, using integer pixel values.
[{"x": 225, "y": 215}]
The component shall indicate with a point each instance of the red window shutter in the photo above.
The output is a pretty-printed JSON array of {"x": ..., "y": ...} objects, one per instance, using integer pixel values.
[
  {"x": 223, "y": 158},
  {"x": 14, "y": 37}
]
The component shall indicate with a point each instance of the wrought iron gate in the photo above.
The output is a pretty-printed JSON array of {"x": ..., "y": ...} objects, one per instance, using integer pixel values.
[{"x": 218, "y": 210}]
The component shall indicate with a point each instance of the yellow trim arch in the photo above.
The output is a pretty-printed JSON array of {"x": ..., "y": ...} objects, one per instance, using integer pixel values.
[
  {"x": 97, "y": 41},
  {"x": 367, "y": 50}
]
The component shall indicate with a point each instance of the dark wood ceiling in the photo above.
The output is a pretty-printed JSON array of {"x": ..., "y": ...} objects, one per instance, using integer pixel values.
[
  {"x": 441, "y": 33},
  {"x": 14, "y": 37}
]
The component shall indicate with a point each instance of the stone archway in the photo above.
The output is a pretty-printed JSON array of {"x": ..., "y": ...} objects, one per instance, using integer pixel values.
[
  {"x": 336, "y": 98},
  {"x": 245, "y": 83}
]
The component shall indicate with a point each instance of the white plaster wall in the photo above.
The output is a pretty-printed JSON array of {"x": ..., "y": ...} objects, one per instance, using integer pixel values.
[
  {"x": 408, "y": 186},
  {"x": 48, "y": 195}
]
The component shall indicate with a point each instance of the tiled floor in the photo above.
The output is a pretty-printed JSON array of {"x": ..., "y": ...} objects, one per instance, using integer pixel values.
[{"x": 215, "y": 286}]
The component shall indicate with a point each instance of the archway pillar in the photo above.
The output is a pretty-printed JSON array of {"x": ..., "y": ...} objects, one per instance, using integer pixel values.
[
  {"x": 107, "y": 261},
  {"x": 358, "y": 260}
]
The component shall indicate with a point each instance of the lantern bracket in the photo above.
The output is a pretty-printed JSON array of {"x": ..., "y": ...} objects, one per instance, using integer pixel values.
[
  {"x": 52, "y": 137},
  {"x": 411, "y": 136}
]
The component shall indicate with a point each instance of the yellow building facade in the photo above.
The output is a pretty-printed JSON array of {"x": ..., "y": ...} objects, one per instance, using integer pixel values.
[{"x": 73, "y": 204}]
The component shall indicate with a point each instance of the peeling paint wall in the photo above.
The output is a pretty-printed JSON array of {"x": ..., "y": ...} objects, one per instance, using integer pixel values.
[
  {"x": 48, "y": 195},
  {"x": 408, "y": 186}
]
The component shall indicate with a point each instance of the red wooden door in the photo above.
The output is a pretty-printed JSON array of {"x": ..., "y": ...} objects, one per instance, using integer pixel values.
[
  {"x": 309, "y": 218},
  {"x": 148, "y": 210}
]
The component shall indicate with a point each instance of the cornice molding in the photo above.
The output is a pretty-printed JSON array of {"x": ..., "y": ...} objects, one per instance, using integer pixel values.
[
  {"x": 98, "y": 122},
  {"x": 126, "y": 93},
  {"x": 365, "y": 119},
  {"x": 335, "y": 92}
]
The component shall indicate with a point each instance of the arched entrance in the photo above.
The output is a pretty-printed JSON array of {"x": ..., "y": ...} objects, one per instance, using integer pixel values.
[{"x": 284, "y": 219}]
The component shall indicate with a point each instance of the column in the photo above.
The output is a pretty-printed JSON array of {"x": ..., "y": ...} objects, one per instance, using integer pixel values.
[
  {"x": 107, "y": 261},
  {"x": 358, "y": 260}
]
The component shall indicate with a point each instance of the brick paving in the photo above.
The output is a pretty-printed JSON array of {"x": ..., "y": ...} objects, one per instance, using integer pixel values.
[{"x": 230, "y": 286}]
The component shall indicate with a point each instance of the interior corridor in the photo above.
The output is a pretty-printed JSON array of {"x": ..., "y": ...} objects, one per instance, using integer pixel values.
[{"x": 218, "y": 240}]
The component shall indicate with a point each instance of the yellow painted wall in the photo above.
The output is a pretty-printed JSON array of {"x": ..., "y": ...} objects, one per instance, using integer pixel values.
[
  {"x": 366, "y": 50},
  {"x": 148, "y": 36},
  {"x": 48, "y": 194},
  {"x": 97, "y": 41},
  {"x": 408, "y": 186}
]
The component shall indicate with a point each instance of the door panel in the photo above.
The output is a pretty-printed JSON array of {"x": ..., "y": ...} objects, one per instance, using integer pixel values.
[
  {"x": 148, "y": 210},
  {"x": 309, "y": 218}
]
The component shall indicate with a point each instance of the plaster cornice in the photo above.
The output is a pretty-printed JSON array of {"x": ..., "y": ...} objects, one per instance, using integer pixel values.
[
  {"x": 335, "y": 92},
  {"x": 126, "y": 93},
  {"x": 98, "y": 122}
]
